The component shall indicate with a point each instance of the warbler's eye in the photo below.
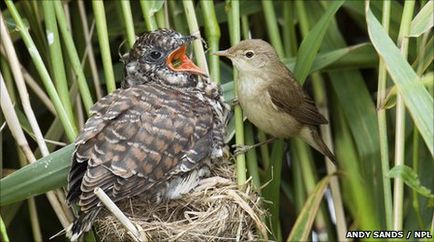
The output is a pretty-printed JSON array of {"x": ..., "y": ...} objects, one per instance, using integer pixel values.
[
  {"x": 155, "y": 55},
  {"x": 249, "y": 54}
]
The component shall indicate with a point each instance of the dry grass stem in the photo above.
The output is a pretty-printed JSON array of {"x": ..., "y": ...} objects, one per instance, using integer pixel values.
[
  {"x": 110, "y": 205},
  {"x": 21, "y": 86},
  {"x": 89, "y": 49}
]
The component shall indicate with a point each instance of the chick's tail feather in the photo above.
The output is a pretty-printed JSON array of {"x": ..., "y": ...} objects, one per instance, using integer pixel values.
[{"x": 81, "y": 224}]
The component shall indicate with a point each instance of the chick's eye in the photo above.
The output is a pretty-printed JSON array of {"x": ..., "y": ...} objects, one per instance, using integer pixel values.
[
  {"x": 249, "y": 54},
  {"x": 155, "y": 55}
]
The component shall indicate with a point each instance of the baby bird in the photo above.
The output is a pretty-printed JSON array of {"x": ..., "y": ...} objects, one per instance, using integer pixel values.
[{"x": 155, "y": 137}]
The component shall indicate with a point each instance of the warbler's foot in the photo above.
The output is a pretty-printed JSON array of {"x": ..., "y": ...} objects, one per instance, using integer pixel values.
[
  {"x": 234, "y": 102},
  {"x": 240, "y": 149}
]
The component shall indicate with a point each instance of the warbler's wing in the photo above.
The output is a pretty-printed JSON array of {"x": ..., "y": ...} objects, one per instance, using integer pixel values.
[
  {"x": 138, "y": 137},
  {"x": 288, "y": 96}
]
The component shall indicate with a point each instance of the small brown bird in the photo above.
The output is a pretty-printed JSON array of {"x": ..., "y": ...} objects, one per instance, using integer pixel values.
[
  {"x": 155, "y": 137},
  {"x": 270, "y": 96}
]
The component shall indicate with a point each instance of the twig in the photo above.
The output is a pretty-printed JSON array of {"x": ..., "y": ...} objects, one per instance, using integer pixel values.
[
  {"x": 88, "y": 36},
  {"x": 111, "y": 206},
  {"x": 38, "y": 90},
  {"x": 34, "y": 220},
  {"x": 13, "y": 122}
]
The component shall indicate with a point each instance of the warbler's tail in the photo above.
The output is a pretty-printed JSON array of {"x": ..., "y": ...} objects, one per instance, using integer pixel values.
[{"x": 311, "y": 136}]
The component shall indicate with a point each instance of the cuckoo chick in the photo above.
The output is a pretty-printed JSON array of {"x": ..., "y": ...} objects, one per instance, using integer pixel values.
[{"x": 154, "y": 137}]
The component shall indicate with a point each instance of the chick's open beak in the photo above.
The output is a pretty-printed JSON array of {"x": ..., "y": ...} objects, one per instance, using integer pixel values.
[{"x": 178, "y": 61}]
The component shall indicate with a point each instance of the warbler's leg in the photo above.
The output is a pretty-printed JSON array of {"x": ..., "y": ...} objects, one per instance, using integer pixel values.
[{"x": 240, "y": 149}]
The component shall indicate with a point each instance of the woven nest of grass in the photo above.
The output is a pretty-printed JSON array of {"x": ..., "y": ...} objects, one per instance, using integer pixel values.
[{"x": 214, "y": 211}]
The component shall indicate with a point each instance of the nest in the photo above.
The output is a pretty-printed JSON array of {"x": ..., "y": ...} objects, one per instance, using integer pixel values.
[{"x": 216, "y": 210}]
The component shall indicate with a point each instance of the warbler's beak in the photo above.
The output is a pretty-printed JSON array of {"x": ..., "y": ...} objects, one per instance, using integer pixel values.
[
  {"x": 223, "y": 53},
  {"x": 178, "y": 61}
]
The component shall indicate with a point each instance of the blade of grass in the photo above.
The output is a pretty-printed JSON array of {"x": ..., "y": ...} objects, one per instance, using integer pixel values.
[
  {"x": 411, "y": 179},
  {"x": 312, "y": 42},
  {"x": 7, "y": 75},
  {"x": 303, "y": 225},
  {"x": 3, "y": 232},
  {"x": 423, "y": 21},
  {"x": 339, "y": 58},
  {"x": 415, "y": 96},
  {"x": 44, "y": 175},
  {"x": 29, "y": 81},
  {"x": 390, "y": 101},
  {"x": 355, "y": 184},
  {"x": 425, "y": 57}
]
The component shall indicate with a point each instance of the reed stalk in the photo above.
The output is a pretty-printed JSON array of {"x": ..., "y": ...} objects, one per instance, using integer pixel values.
[
  {"x": 148, "y": 15},
  {"x": 233, "y": 8},
  {"x": 382, "y": 125},
  {"x": 73, "y": 56},
  {"x": 398, "y": 186},
  {"x": 91, "y": 57},
  {"x": 199, "y": 52},
  {"x": 104, "y": 46},
  {"x": 212, "y": 33},
  {"x": 128, "y": 21},
  {"x": 56, "y": 57}
]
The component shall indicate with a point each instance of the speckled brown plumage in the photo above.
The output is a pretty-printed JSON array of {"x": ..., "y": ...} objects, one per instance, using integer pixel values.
[{"x": 160, "y": 132}]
